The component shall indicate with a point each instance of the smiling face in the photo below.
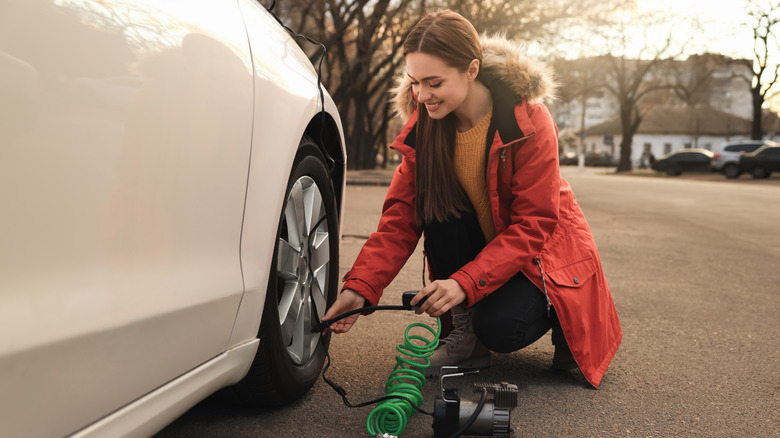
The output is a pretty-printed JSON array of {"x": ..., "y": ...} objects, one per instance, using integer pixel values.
[{"x": 440, "y": 87}]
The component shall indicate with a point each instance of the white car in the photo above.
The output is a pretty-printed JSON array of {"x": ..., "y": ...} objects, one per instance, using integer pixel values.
[
  {"x": 727, "y": 159},
  {"x": 171, "y": 185}
]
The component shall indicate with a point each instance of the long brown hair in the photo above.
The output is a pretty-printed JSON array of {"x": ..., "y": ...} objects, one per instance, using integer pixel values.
[{"x": 439, "y": 195}]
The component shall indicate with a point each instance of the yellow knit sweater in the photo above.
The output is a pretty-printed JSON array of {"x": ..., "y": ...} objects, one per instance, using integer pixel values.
[{"x": 470, "y": 169}]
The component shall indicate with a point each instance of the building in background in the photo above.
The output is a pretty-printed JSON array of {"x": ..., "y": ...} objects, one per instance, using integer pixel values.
[
  {"x": 702, "y": 101},
  {"x": 667, "y": 128}
]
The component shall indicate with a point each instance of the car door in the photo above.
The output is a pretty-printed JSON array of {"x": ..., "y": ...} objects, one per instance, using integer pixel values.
[
  {"x": 125, "y": 138},
  {"x": 688, "y": 161},
  {"x": 700, "y": 162},
  {"x": 772, "y": 157}
]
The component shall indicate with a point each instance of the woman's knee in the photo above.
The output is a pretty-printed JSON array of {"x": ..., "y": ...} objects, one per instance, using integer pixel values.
[
  {"x": 505, "y": 335},
  {"x": 512, "y": 317},
  {"x": 501, "y": 336}
]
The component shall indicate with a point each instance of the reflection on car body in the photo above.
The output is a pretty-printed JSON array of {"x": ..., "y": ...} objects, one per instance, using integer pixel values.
[{"x": 155, "y": 161}]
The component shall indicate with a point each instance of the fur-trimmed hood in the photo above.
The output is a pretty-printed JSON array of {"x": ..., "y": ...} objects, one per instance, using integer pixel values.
[{"x": 502, "y": 60}]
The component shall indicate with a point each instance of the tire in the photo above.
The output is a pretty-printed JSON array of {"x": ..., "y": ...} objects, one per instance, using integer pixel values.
[
  {"x": 731, "y": 171},
  {"x": 760, "y": 173},
  {"x": 303, "y": 281},
  {"x": 673, "y": 170}
]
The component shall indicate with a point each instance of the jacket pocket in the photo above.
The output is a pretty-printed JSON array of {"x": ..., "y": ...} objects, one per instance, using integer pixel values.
[{"x": 573, "y": 275}]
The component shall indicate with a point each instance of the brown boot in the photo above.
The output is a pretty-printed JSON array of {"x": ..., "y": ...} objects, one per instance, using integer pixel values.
[{"x": 461, "y": 347}]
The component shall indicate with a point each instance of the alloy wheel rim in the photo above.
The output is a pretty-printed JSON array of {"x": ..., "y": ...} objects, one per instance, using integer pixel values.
[{"x": 302, "y": 269}]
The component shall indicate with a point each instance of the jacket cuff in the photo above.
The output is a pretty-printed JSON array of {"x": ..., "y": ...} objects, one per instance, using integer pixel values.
[
  {"x": 474, "y": 282},
  {"x": 362, "y": 288}
]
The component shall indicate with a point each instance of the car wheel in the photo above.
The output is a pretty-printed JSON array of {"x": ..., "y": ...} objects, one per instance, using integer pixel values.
[
  {"x": 760, "y": 173},
  {"x": 673, "y": 170},
  {"x": 302, "y": 284},
  {"x": 731, "y": 171}
]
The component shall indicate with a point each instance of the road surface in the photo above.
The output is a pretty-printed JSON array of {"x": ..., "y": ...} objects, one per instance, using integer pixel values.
[{"x": 694, "y": 268}]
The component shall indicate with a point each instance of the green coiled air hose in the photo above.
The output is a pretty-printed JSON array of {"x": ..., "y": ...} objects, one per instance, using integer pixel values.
[{"x": 406, "y": 381}]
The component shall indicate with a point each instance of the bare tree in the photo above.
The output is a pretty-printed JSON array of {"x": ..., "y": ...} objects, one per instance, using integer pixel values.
[
  {"x": 364, "y": 37},
  {"x": 580, "y": 79},
  {"x": 629, "y": 82},
  {"x": 692, "y": 83},
  {"x": 547, "y": 22},
  {"x": 633, "y": 71},
  {"x": 764, "y": 20},
  {"x": 362, "y": 40}
]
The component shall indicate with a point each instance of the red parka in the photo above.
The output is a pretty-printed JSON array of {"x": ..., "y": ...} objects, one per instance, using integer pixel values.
[{"x": 540, "y": 228}]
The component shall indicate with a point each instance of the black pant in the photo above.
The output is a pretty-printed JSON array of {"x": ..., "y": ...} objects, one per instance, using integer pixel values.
[{"x": 512, "y": 317}]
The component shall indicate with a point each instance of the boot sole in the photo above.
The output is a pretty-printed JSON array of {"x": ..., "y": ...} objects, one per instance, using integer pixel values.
[
  {"x": 564, "y": 365},
  {"x": 477, "y": 363}
]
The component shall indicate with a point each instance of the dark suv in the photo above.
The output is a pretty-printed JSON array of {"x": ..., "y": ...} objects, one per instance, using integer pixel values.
[{"x": 760, "y": 163}]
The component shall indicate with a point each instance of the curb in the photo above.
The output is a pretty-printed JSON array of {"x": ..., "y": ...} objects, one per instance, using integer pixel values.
[
  {"x": 351, "y": 182},
  {"x": 375, "y": 177}
]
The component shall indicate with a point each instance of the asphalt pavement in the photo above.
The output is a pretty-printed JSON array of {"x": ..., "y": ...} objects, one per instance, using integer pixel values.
[{"x": 692, "y": 263}]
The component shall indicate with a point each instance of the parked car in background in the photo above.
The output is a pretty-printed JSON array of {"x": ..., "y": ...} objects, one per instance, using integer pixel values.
[
  {"x": 171, "y": 183},
  {"x": 568, "y": 159},
  {"x": 684, "y": 160},
  {"x": 727, "y": 158},
  {"x": 599, "y": 158},
  {"x": 760, "y": 163}
]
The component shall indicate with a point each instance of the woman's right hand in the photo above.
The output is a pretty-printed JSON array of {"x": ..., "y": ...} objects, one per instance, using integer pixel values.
[{"x": 347, "y": 300}]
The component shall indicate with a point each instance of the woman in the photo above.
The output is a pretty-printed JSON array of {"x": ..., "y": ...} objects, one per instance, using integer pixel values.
[{"x": 509, "y": 249}]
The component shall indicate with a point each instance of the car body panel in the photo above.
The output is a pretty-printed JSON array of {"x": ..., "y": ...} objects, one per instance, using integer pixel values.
[
  {"x": 685, "y": 160},
  {"x": 126, "y": 134},
  {"x": 767, "y": 157},
  {"x": 259, "y": 227},
  {"x": 152, "y": 412},
  {"x": 126, "y": 221},
  {"x": 599, "y": 158}
]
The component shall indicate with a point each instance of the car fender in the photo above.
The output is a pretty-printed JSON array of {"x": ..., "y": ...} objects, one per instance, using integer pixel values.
[{"x": 286, "y": 104}]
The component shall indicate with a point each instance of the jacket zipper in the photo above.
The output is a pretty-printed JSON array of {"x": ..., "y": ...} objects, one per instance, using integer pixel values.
[
  {"x": 490, "y": 155},
  {"x": 538, "y": 261},
  {"x": 490, "y": 158},
  {"x": 503, "y": 154}
]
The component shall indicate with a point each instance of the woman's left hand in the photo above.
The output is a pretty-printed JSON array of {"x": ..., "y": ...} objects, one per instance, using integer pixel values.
[{"x": 442, "y": 296}]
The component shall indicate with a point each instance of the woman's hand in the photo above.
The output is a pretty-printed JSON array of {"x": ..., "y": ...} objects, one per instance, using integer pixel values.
[
  {"x": 442, "y": 296},
  {"x": 346, "y": 301}
]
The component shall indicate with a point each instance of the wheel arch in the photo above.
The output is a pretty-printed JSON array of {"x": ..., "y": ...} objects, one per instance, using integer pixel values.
[
  {"x": 260, "y": 221},
  {"x": 325, "y": 131}
]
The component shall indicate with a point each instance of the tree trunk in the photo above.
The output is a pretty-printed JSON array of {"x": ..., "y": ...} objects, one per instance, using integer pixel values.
[
  {"x": 628, "y": 129},
  {"x": 625, "y": 153},
  {"x": 581, "y": 150},
  {"x": 756, "y": 132}
]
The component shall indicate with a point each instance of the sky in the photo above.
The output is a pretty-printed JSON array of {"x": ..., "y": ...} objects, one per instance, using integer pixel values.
[
  {"x": 724, "y": 28},
  {"x": 722, "y": 21}
]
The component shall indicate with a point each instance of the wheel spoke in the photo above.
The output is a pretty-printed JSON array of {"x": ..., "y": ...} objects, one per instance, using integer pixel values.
[
  {"x": 295, "y": 347},
  {"x": 319, "y": 251},
  {"x": 300, "y": 348},
  {"x": 318, "y": 288},
  {"x": 287, "y": 266},
  {"x": 313, "y": 206},
  {"x": 289, "y": 311},
  {"x": 294, "y": 216},
  {"x": 313, "y": 337}
]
